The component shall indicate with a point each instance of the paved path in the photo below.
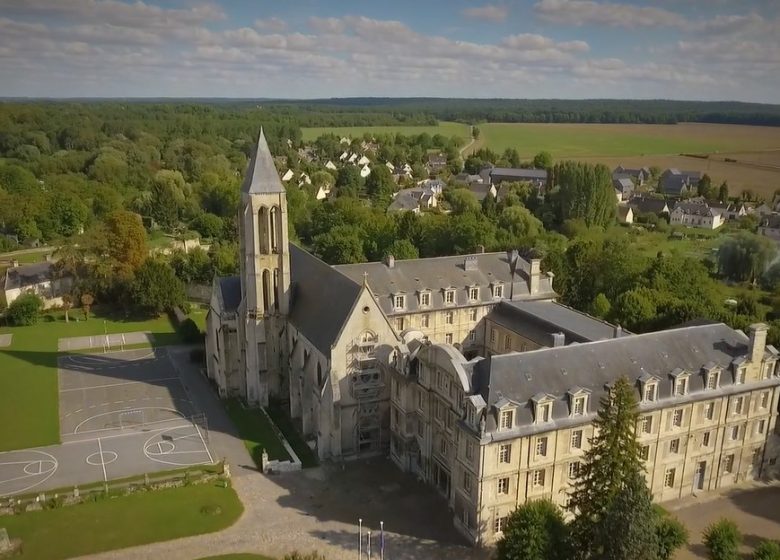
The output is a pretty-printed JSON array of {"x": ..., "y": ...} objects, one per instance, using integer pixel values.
[{"x": 267, "y": 528}]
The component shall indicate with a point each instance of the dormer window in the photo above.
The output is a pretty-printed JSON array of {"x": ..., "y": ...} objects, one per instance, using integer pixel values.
[
  {"x": 651, "y": 391},
  {"x": 578, "y": 401},
  {"x": 739, "y": 378},
  {"x": 544, "y": 412},
  {"x": 506, "y": 419},
  {"x": 449, "y": 297},
  {"x": 399, "y": 302},
  {"x": 713, "y": 379},
  {"x": 498, "y": 290},
  {"x": 579, "y": 405},
  {"x": 425, "y": 299},
  {"x": 473, "y": 294},
  {"x": 680, "y": 382}
]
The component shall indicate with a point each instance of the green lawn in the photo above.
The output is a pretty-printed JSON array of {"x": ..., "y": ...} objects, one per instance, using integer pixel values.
[
  {"x": 256, "y": 431},
  {"x": 444, "y": 128},
  {"x": 282, "y": 420},
  {"x": 126, "y": 521},
  {"x": 28, "y": 372},
  {"x": 590, "y": 140}
]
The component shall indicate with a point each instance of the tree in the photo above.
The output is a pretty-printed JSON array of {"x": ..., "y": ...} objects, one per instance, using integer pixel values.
[
  {"x": 534, "y": 531},
  {"x": 348, "y": 181},
  {"x": 341, "y": 245},
  {"x": 156, "y": 288},
  {"x": 519, "y": 221},
  {"x": 767, "y": 550},
  {"x": 380, "y": 185},
  {"x": 670, "y": 535},
  {"x": 609, "y": 466},
  {"x": 723, "y": 192},
  {"x": 123, "y": 239},
  {"x": 475, "y": 132},
  {"x": 585, "y": 191},
  {"x": 462, "y": 201},
  {"x": 722, "y": 540},
  {"x": 704, "y": 186},
  {"x": 629, "y": 524},
  {"x": 168, "y": 197},
  {"x": 68, "y": 214},
  {"x": 25, "y": 310},
  {"x": 67, "y": 303},
  {"x": 543, "y": 160},
  {"x": 635, "y": 309},
  {"x": 86, "y": 304},
  {"x": 745, "y": 256},
  {"x": 600, "y": 306},
  {"x": 403, "y": 249},
  {"x": 208, "y": 225}
]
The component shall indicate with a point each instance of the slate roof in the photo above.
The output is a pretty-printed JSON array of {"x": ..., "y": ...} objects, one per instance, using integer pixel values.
[
  {"x": 624, "y": 184},
  {"x": 480, "y": 190},
  {"x": 622, "y": 211},
  {"x": 28, "y": 275},
  {"x": 467, "y": 178},
  {"x": 515, "y": 174},
  {"x": 230, "y": 287},
  {"x": 405, "y": 201},
  {"x": 518, "y": 377},
  {"x": 772, "y": 221},
  {"x": 644, "y": 205},
  {"x": 409, "y": 277},
  {"x": 695, "y": 209},
  {"x": 673, "y": 180},
  {"x": 539, "y": 320},
  {"x": 261, "y": 176},
  {"x": 321, "y": 298}
]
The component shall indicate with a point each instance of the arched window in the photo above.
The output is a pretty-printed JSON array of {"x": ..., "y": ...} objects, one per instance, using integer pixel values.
[
  {"x": 266, "y": 290},
  {"x": 274, "y": 229},
  {"x": 276, "y": 289},
  {"x": 262, "y": 230}
]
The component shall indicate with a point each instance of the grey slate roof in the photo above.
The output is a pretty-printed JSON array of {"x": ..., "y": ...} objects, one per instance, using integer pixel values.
[
  {"x": 555, "y": 371},
  {"x": 261, "y": 176},
  {"x": 513, "y": 174},
  {"x": 479, "y": 190},
  {"x": 321, "y": 298},
  {"x": 695, "y": 209},
  {"x": 28, "y": 275},
  {"x": 405, "y": 201},
  {"x": 409, "y": 277},
  {"x": 673, "y": 180},
  {"x": 538, "y": 320},
  {"x": 648, "y": 205},
  {"x": 624, "y": 184},
  {"x": 230, "y": 287}
]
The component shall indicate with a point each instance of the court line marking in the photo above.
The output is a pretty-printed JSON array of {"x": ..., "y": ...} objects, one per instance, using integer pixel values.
[
  {"x": 50, "y": 473},
  {"x": 126, "y": 434},
  {"x": 102, "y": 461},
  {"x": 117, "y": 384},
  {"x": 203, "y": 441},
  {"x": 76, "y": 429},
  {"x": 151, "y": 458}
]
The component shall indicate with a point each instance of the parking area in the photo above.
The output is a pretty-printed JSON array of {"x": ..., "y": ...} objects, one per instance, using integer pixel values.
[{"x": 121, "y": 414}]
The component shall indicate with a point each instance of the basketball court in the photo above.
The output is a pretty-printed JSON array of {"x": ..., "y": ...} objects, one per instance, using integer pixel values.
[{"x": 121, "y": 414}]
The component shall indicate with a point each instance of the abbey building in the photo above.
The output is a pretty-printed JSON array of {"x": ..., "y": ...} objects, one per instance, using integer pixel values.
[{"x": 470, "y": 375}]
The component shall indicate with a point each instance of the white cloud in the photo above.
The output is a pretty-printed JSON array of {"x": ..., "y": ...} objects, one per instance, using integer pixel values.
[
  {"x": 488, "y": 12},
  {"x": 271, "y": 24},
  {"x": 588, "y": 12}
]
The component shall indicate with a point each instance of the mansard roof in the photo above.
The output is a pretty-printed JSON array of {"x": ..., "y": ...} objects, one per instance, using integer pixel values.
[
  {"x": 321, "y": 299},
  {"x": 595, "y": 365},
  {"x": 261, "y": 176},
  {"x": 437, "y": 274}
]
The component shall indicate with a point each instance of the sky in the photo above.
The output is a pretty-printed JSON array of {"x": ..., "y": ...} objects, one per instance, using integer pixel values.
[{"x": 671, "y": 49}]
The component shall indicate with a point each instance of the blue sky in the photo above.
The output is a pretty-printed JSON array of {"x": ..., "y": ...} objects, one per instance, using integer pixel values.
[{"x": 679, "y": 49}]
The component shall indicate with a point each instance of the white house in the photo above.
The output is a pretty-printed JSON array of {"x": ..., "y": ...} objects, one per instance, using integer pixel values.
[
  {"x": 390, "y": 166},
  {"x": 323, "y": 192},
  {"x": 343, "y": 156},
  {"x": 363, "y": 160},
  {"x": 288, "y": 175},
  {"x": 352, "y": 159},
  {"x": 304, "y": 178},
  {"x": 39, "y": 279},
  {"x": 365, "y": 171},
  {"x": 696, "y": 214},
  {"x": 330, "y": 165}
]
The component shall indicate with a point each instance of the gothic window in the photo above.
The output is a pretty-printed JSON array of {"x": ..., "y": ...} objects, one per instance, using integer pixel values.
[
  {"x": 262, "y": 230},
  {"x": 276, "y": 289},
  {"x": 273, "y": 226},
  {"x": 266, "y": 290}
]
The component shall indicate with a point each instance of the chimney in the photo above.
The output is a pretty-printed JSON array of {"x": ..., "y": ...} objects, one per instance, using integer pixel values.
[
  {"x": 470, "y": 263},
  {"x": 390, "y": 261},
  {"x": 618, "y": 331},
  {"x": 534, "y": 276},
  {"x": 559, "y": 339},
  {"x": 757, "y": 333},
  {"x": 14, "y": 263}
]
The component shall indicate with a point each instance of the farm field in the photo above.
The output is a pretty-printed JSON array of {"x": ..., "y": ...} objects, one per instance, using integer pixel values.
[
  {"x": 610, "y": 140},
  {"x": 444, "y": 128}
]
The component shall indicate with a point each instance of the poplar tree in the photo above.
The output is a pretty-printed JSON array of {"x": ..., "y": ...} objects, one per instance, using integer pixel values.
[{"x": 610, "y": 467}]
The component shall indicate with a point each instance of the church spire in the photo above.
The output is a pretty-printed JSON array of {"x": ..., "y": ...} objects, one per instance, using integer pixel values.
[{"x": 261, "y": 176}]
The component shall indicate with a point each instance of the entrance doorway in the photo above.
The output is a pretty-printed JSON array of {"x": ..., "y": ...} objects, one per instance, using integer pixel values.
[
  {"x": 698, "y": 475},
  {"x": 441, "y": 479}
]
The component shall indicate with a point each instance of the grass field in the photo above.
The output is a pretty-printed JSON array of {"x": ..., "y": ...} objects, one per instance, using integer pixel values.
[
  {"x": 256, "y": 431},
  {"x": 244, "y": 556},
  {"x": 444, "y": 128},
  {"x": 28, "y": 373},
  {"x": 136, "y": 519}
]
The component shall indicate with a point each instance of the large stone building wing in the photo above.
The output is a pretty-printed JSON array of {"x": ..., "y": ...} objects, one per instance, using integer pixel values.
[
  {"x": 321, "y": 299},
  {"x": 555, "y": 372}
]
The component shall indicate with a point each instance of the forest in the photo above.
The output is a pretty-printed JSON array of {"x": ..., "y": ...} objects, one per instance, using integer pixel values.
[{"x": 111, "y": 183}]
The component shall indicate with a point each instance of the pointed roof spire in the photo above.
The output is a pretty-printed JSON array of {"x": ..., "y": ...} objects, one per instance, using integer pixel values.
[{"x": 261, "y": 176}]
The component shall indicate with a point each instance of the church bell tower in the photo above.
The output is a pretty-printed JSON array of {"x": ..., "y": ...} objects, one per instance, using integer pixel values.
[{"x": 265, "y": 276}]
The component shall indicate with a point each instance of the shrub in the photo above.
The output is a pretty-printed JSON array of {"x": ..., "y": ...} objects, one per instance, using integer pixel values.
[
  {"x": 670, "y": 534},
  {"x": 767, "y": 550},
  {"x": 25, "y": 310},
  {"x": 189, "y": 332},
  {"x": 722, "y": 540}
]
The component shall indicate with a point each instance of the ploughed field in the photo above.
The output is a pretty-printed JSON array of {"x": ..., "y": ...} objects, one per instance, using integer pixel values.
[{"x": 444, "y": 128}]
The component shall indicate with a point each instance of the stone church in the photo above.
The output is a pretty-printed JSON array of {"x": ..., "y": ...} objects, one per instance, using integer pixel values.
[{"x": 296, "y": 329}]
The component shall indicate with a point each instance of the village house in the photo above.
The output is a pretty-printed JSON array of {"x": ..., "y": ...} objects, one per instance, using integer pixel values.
[
  {"x": 436, "y": 162},
  {"x": 770, "y": 226},
  {"x": 330, "y": 165},
  {"x": 625, "y": 214},
  {"x": 679, "y": 184},
  {"x": 415, "y": 200},
  {"x": 648, "y": 205},
  {"x": 637, "y": 176},
  {"x": 40, "y": 279},
  {"x": 624, "y": 188},
  {"x": 497, "y": 175},
  {"x": 696, "y": 214}
]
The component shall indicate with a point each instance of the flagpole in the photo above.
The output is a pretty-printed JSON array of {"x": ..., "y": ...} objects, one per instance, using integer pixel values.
[
  {"x": 381, "y": 540},
  {"x": 369, "y": 544},
  {"x": 360, "y": 539}
]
